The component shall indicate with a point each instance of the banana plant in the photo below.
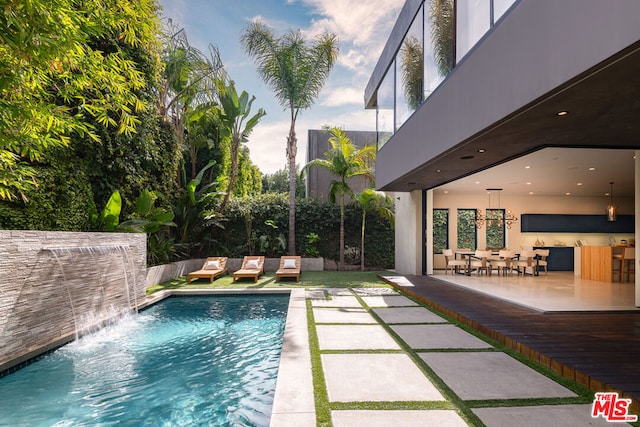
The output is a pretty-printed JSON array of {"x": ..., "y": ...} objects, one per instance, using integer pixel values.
[{"x": 237, "y": 126}]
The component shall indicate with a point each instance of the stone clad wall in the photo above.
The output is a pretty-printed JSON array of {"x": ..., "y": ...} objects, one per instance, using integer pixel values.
[{"x": 38, "y": 298}]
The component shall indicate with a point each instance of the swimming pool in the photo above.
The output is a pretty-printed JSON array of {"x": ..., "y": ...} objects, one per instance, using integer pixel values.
[{"x": 184, "y": 361}]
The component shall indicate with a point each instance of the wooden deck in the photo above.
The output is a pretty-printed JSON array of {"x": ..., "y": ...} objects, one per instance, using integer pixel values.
[{"x": 600, "y": 350}]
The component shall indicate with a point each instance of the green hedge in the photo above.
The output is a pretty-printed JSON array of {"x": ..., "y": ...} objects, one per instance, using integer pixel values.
[{"x": 247, "y": 219}]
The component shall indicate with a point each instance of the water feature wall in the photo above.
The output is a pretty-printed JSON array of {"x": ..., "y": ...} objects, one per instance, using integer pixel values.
[{"x": 54, "y": 284}]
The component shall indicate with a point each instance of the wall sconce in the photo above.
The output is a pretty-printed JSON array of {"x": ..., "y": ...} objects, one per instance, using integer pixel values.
[{"x": 612, "y": 210}]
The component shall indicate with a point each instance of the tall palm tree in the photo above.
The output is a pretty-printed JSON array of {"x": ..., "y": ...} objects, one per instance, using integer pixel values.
[
  {"x": 373, "y": 201},
  {"x": 344, "y": 160},
  {"x": 296, "y": 72}
]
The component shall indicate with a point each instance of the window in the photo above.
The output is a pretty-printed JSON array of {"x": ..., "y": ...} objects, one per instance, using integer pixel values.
[
  {"x": 500, "y": 7},
  {"x": 495, "y": 229},
  {"x": 440, "y": 230},
  {"x": 439, "y": 46},
  {"x": 409, "y": 72},
  {"x": 385, "y": 109},
  {"x": 473, "y": 20},
  {"x": 467, "y": 237}
]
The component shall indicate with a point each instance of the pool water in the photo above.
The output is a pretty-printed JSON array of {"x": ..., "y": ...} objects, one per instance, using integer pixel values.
[{"x": 196, "y": 361}]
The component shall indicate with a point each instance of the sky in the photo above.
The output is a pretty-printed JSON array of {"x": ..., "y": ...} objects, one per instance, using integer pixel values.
[{"x": 361, "y": 26}]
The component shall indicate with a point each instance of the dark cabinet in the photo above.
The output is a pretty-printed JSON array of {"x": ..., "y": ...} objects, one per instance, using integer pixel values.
[
  {"x": 560, "y": 257},
  {"x": 560, "y": 223}
]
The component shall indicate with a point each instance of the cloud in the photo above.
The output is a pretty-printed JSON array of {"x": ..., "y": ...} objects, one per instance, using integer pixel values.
[
  {"x": 341, "y": 96},
  {"x": 357, "y": 22},
  {"x": 267, "y": 146}
]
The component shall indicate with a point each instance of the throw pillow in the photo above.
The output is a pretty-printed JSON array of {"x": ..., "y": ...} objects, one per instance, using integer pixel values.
[
  {"x": 252, "y": 263},
  {"x": 213, "y": 265},
  {"x": 289, "y": 263}
]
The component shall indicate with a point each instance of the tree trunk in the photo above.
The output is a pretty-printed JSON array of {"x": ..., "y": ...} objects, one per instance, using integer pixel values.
[
  {"x": 364, "y": 216},
  {"x": 341, "y": 263},
  {"x": 291, "y": 155}
]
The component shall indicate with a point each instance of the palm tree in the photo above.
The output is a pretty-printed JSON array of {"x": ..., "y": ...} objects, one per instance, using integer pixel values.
[
  {"x": 373, "y": 201},
  {"x": 344, "y": 160},
  {"x": 296, "y": 73},
  {"x": 189, "y": 80},
  {"x": 232, "y": 115}
]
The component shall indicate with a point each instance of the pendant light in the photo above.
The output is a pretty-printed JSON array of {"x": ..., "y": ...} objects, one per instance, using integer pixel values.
[
  {"x": 612, "y": 210},
  {"x": 508, "y": 218}
]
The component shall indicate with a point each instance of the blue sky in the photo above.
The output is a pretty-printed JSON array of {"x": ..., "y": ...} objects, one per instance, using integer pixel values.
[{"x": 362, "y": 28}]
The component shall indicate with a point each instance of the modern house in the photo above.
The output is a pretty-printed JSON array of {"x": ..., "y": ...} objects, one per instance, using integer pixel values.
[{"x": 499, "y": 107}]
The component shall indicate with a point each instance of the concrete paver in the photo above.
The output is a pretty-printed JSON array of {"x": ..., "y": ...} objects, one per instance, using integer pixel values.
[
  {"x": 411, "y": 418},
  {"x": 389, "y": 301},
  {"x": 438, "y": 336},
  {"x": 354, "y": 337},
  {"x": 492, "y": 375},
  {"x": 408, "y": 315},
  {"x": 342, "y": 315},
  {"x": 367, "y": 377},
  {"x": 337, "y": 301}
]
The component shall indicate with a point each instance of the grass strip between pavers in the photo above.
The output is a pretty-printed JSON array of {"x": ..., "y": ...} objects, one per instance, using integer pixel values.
[
  {"x": 320, "y": 394},
  {"x": 393, "y": 406}
]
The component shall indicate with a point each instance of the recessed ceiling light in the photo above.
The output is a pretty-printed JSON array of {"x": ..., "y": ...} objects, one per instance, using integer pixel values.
[
  {"x": 477, "y": 182},
  {"x": 568, "y": 194},
  {"x": 592, "y": 168},
  {"x": 562, "y": 113},
  {"x": 446, "y": 191},
  {"x": 579, "y": 183},
  {"x": 481, "y": 150},
  {"x": 527, "y": 167},
  {"x": 530, "y": 192},
  {"x": 437, "y": 170},
  {"x": 528, "y": 183}
]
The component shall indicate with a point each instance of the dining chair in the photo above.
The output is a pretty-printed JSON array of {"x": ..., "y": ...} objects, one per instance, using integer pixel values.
[
  {"x": 526, "y": 260},
  {"x": 542, "y": 259},
  {"x": 480, "y": 261},
  {"x": 452, "y": 263},
  {"x": 505, "y": 261}
]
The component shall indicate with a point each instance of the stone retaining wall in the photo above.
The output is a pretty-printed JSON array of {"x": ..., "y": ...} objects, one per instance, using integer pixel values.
[{"x": 49, "y": 281}]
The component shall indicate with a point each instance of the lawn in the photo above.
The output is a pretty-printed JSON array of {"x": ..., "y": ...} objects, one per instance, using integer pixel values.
[{"x": 313, "y": 279}]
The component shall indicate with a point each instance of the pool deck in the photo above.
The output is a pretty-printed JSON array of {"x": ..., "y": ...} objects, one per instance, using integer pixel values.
[{"x": 378, "y": 347}]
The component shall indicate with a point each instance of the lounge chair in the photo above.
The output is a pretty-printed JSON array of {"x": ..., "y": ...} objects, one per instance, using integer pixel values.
[
  {"x": 289, "y": 267},
  {"x": 212, "y": 268},
  {"x": 252, "y": 266}
]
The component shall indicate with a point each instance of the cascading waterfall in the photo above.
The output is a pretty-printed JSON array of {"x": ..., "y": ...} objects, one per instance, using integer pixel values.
[{"x": 80, "y": 267}]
